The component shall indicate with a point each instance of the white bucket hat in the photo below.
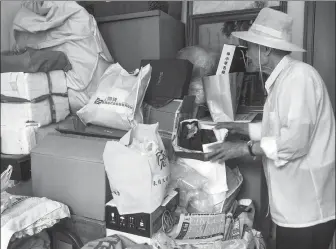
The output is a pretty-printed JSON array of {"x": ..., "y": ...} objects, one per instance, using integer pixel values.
[{"x": 272, "y": 29}]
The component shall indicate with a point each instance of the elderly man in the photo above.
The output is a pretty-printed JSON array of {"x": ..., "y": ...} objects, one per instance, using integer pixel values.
[{"x": 296, "y": 137}]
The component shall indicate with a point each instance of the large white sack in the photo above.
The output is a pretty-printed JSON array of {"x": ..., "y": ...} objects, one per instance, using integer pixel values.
[
  {"x": 117, "y": 102},
  {"x": 40, "y": 112},
  {"x": 67, "y": 27},
  {"x": 18, "y": 139},
  {"x": 30, "y": 86}
]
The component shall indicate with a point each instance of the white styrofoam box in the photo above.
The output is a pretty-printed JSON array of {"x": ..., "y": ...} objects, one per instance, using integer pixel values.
[
  {"x": 18, "y": 139},
  {"x": 20, "y": 113},
  {"x": 24, "y": 85},
  {"x": 58, "y": 82},
  {"x": 62, "y": 107},
  {"x": 40, "y": 112},
  {"x": 30, "y": 86}
]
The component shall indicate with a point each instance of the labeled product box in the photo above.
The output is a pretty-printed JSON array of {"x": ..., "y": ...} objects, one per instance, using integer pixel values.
[
  {"x": 140, "y": 224},
  {"x": 70, "y": 169},
  {"x": 233, "y": 59}
]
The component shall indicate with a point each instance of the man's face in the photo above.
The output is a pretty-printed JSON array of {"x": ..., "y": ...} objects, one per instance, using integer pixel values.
[{"x": 253, "y": 57}]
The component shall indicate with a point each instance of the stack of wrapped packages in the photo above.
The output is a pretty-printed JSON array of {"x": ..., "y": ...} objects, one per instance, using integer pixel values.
[
  {"x": 33, "y": 94},
  {"x": 55, "y": 66}
]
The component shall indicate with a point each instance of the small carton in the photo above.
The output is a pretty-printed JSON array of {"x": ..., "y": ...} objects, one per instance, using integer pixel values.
[{"x": 202, "y": 153}]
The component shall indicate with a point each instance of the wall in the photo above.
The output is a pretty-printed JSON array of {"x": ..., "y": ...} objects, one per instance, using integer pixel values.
[
  {"x": 294, "y": 9},
  {"x": 8, "y": 11},
  {"x": 324, "y": 44}
]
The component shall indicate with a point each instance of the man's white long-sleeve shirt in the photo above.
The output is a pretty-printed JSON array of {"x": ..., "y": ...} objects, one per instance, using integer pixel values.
[{"x": 297, "y": 135}]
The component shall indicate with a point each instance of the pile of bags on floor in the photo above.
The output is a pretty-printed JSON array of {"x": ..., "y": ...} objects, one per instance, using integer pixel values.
[
  {"x": 24, "y": 219},
  {"x": 208, "y": 214}
]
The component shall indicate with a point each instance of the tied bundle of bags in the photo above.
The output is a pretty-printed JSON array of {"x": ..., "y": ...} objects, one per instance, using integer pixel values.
[
  {"x": 23, "y": 216},
  {"x": 28, "y": 101},
  {"x": 138, "y": 170},
  {"x": 118, "y": 99},
  {"x": 67, "y": 27},
  {"x": 204, "y": 63},
  {"x": 231, "y": 230}
]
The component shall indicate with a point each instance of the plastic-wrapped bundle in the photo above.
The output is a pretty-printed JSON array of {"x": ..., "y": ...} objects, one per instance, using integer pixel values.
[
  {"x": 196, "y": 89},
  {"x": 204, "y": 64},
  {"x": 194, "y": 192}
]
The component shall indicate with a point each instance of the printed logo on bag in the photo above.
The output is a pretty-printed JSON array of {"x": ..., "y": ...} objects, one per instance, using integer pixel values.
[
  {"x": 19, "y": 199},
  {"x": 161, "y": 159},
  {"x": 159, "y": 79},
  {"x": 161, "y": 181},
  {"x": 112, "y": 101}
]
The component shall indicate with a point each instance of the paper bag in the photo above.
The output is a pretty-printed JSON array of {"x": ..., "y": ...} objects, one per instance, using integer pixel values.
[
  {"x": 138, "y": 170},
  {"x": 222, "y": 93}
]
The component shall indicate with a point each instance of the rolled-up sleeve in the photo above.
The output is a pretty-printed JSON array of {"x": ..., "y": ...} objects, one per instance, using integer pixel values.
[{"x": 297, "y": 104}]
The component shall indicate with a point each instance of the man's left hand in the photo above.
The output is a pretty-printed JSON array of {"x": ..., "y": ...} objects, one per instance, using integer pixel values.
[{"x": 227, "y": 150}]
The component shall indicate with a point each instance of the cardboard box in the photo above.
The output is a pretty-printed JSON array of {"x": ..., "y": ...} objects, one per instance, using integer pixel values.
[
  {"x": 141, "y": 224},
  {"x": 21, "y": 166},
  {"x": 169, "y": 115},
  {"x": 195, "y": 154},
  {"x": 70, "y": 170},
  {"x": 121, "y": 35},
  {"x": 170, "y": 79}
]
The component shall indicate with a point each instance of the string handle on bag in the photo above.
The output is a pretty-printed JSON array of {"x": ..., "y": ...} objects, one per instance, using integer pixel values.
[{"x": 167, "y": 222}]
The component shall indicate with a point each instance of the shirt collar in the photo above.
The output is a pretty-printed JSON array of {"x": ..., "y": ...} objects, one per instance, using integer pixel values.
[{"x": 277, "y": 70}]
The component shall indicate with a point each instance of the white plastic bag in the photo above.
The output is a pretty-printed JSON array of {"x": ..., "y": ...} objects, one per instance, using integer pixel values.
[
  {"x": 214, "y": 172},
  {"x": 138, "y": 170},
  {"x": 222, "y": 94},
  {"x": 194, "y": 188},
  {"x": 117, "y": 101},
  {"x": 5, "y": 184}
]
